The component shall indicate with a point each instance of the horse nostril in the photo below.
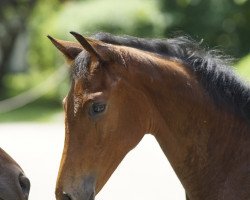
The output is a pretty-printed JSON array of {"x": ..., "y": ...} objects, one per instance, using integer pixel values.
[
  {"x": 66, "y": 196},
  {"x": 25, "y": 185},
  {"x": 92, "y": 196}
]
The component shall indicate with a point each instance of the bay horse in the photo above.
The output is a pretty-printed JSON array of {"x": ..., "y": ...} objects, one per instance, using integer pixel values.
[
  {"x": 14, "y": 185},
  {"x": 189, "y": 98}
]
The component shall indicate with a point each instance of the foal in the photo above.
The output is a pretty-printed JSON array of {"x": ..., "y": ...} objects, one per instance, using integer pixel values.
[{"x": 189, "y": 99}]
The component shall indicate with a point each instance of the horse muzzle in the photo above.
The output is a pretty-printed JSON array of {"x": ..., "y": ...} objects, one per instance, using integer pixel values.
[
  {"x": 85, "y": 190},
  {"x": 14, "y": 186}
]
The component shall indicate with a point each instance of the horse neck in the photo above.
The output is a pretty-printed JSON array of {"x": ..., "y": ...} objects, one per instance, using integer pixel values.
[{"x": 201, "y": 141}]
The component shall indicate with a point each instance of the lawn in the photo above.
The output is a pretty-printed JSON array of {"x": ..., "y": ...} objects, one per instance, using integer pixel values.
[{"x": 38, "y": 111}]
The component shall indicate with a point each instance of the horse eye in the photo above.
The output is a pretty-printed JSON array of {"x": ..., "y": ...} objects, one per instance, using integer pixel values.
[{"x": 97, "y": 108}]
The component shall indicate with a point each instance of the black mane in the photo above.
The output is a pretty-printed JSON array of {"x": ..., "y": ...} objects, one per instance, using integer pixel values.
[{"x": 213, "y": 70}]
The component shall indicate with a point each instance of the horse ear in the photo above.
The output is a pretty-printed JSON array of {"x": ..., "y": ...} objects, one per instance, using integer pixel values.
[
  {"x": 86, "y": 45},
  {"x": 69, "y": 49}
]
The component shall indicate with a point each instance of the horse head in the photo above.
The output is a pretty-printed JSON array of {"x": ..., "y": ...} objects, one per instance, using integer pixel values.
[{"x": 100, "y": 109}]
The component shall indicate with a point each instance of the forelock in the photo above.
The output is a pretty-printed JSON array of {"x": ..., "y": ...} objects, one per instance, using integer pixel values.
[{"x": 81, "y": 65}]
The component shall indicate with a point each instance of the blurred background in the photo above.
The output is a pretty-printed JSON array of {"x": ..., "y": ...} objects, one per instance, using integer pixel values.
[
  {"x": 33, "y": 76},
  {"x": 29, "y": 64}
]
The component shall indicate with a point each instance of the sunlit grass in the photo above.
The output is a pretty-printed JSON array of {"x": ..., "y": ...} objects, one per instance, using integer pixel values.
[{"x": 39, "y": 111}]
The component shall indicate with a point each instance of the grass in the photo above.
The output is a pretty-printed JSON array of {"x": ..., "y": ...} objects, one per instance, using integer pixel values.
[{"x": 38, "y": 111}]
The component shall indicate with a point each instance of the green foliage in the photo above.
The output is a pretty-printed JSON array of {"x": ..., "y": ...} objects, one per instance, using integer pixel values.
[
  {"x": 223, "y": 23},
  {"x": 41, "y": 54},
  {"x": 243, "y": 67},
  {"x": 41, "y": 58},
  {"x": 135, "y": 17}
]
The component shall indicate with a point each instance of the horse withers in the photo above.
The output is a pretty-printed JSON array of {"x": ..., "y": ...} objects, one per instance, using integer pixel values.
[
  {"x": 187, "y": 97},
  {"x": 14, "y": 185}
]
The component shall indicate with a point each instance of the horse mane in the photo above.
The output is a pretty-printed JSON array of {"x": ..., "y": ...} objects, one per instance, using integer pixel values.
[{"x": 212, "y": 69}]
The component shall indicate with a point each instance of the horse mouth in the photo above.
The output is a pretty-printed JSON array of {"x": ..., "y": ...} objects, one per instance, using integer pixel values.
[{"x": 68, "y": 197}]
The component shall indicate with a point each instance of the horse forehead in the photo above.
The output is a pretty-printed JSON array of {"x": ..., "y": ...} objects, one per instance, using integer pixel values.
[{"x": 78, "y": 86}]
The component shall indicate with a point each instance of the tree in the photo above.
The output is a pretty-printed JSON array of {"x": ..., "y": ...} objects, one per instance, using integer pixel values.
[
  {"x": 14, "y": 15},
  {"x": 223, "y": 23}
]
